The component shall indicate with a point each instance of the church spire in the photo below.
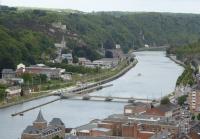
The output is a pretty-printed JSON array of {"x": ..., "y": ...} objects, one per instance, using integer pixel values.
[{"x": 40, "y": 117}]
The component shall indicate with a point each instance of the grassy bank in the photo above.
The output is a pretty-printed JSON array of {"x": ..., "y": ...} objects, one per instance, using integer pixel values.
[{"x": 109, "y": 74}]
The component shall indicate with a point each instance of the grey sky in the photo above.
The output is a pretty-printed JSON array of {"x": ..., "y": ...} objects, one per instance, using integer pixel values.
[{"x": 180, "y": 6}]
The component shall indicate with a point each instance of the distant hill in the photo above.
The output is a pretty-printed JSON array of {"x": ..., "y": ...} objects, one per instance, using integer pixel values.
[{"x": 25, "y": 34}]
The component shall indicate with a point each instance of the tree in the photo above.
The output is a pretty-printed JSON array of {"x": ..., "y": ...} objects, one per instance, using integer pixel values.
[
  {"x": 65, "y": 61},
  {"x": 43, "y": 78},
  {"x": 27, "y": 77},
  {"x": 182, "y": 99},
  {"x": 57, "y": 137},
  {"x": 2, "y": 91},
  {"x": 193, "y": 117},
  {"x": 165, "y": 101},
  {"x": 198, "y": 116}
]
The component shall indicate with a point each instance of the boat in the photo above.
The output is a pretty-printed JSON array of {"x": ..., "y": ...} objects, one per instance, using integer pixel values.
[
  {"x": 108, "y": 99},
  {"x": 86, "y": 97},
  {"x": 131, "y": 100}
]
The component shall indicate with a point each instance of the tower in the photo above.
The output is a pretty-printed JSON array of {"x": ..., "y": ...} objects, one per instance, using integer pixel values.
[{"x": 40, "y": 122}]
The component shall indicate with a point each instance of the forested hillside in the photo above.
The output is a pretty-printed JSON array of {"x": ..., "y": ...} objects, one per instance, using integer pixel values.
[
  {"x": 25, "y": 36},
  {"x": 188, "y": 53}
]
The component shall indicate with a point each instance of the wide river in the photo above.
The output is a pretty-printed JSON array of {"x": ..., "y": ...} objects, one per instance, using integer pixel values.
[{"x": 158, "y": 78}]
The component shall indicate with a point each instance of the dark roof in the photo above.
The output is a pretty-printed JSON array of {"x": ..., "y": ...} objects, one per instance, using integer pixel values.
[
  {"x": 8, "y": 71},
  {"x": 196, "y": 128},
  {"x": 135, "y": 104},
  {"x": 89, "y": 137},
  {"x": 56, "y": 122},
  {"x": 40, "y": 118},
  {"x": 160, "y": 135},
  {"x": 87, "y": 127},
  {"x": 166, "y": 107},
  {"x": 50, "y": 130},
  {"x": 31, "y": 130}
]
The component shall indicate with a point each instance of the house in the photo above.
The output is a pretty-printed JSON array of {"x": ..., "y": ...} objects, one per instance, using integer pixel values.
[
  {"x": 198, "y": 81},
  {"x": 13, "y": 91},
  {"x": 194, "y": 101},
  {"x": 161, "y": 135},
  {"x": 66, "y": 77},
  {"x": 41, "y": 69},
  {"x": 59, "y": 25},
  {"x": 83, "y": 61},
  {"x": 136, "y": 108},
  {"x": 142, "y": 126},
  {"x": 84, "y": 130},
  {"x": 41, "y": 130},
  {"x": 114, "y": 53},
  {"x": 106, "y": 63},
  {"x": 90, "y": 137},
  {"x": 146, "y": 46},
  {"x": 99, "y": 131},
  {"x": 68, "y": 57},
  {"x": 167, "y": 110},
  {"x": 8, "y": 73},
  {"x": 195, "y": 131},
  {"x": 19, "y": 66}
]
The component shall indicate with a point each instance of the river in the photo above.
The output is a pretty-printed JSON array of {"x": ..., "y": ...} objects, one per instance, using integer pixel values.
[{"x": 158, "y": 78}]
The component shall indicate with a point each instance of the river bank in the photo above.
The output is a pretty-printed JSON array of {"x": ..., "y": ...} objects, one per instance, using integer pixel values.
[
  {"x": 173, "y": 58},
  {"x": 47, "y": 93}
]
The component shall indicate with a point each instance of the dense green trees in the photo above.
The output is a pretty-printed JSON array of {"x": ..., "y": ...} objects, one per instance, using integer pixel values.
[
  {"x": 2, "y": 91},
  {"x": 25, "y": 36},
  {"x": 187, "y": 77},
  {"x": 182, "y": 99},
  {"x": 164, "y": 101}
]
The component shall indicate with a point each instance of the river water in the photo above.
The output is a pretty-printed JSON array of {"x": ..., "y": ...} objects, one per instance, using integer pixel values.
[{"x": 158, "y": 78}]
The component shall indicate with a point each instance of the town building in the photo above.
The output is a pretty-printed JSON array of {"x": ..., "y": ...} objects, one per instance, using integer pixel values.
[
  {"x": 83, "y": 61},
  {"x": 167, "y": 110},
  {"x": 114, "y": 53},
  {"x": 41, "y": 69},
  {"x": 69, "y": 57},
  {"x": 59, "y": 25},
  {"x": 8, "y": 73},
  {"x": 13, "y": 91},
  {"x": 83, "y": 130},
  {"x": 142, "y": 126},
  {"x": 41, "y": 130},
  {"x": 195, "y": 131},
  {"x": 194, "y": 101},
  {"x": 198, "y": 81},
  {"x": 90, "y": 137},
  {"x": 136, "y": 108},
  {"x": 182, "y": 90},
  {"x": 106, "y": 63}
]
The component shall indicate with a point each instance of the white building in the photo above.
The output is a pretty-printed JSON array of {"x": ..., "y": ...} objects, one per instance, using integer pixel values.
[
  {"x": 146, "y": 46},
  {"x": 13, "y": 91},
  {"x": 118, "y": 46},
  {"x": 59, "y": 25},
  {"x": 68, "y": 57},
  {"x": 106, "y": 63},
  {"x": 21, "y": 66},
  {"x": 83, "y": 61}
]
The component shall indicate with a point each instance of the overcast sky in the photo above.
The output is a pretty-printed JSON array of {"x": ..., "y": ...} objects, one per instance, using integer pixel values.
[{"x": 177, "y": 6}]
